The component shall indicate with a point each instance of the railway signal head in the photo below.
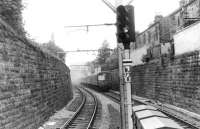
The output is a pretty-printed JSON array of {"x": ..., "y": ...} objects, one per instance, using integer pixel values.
[
  {"x": 125, "y": 25},
  {"x": 121, "y": 25}
]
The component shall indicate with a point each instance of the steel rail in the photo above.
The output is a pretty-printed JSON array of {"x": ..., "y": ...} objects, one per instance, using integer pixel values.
[
  {"x": 114, "y": 98},
  {"x": 95, "y": 109},
  {"x": 77, "y": 112},
  {"x": 162, "y": 110}
]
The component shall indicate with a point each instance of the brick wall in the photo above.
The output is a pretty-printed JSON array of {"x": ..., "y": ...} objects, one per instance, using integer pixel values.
[
  {"x": 175, "y": 82},
  {"x": 33, "y": 85}
]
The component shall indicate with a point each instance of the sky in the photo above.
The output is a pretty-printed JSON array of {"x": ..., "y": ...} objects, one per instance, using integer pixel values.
[{"x": 42, "y": 18}]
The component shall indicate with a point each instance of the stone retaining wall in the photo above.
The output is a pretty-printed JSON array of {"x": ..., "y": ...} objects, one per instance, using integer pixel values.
[
  {"x": 33, "y": 84},
  {"x": 176, "y": 82}
]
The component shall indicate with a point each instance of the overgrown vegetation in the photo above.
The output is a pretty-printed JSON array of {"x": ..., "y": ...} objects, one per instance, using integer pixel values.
[
  {"x": 106, "y": 59},
  {"x": 53, "y": 49},
  {"x": 10, "y": 12},
  {"x": 111, "y": 62},
  {"x": 103, "y": 54}
]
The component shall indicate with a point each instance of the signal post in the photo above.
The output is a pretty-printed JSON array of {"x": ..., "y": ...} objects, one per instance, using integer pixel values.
[{"x": 125, "y": 35}]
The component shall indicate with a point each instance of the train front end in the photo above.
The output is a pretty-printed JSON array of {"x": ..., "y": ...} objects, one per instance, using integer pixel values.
[{"x": 104, "y": 80}]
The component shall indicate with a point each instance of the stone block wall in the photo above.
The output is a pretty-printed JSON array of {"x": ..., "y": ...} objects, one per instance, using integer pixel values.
[
  {"x": 33, "y": 84},
  {"x": 175, "y": 82}
]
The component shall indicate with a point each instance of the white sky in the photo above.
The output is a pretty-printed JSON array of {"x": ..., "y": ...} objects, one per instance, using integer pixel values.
[{"x": 44, "y": 17}]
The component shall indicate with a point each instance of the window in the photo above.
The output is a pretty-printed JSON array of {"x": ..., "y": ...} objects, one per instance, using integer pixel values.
[
  {"x": 149, "y": 37},
  {"x": 144, "y": 37},
  {"x": 156, "y": 33},
  {"x": 178, "y": 21}
]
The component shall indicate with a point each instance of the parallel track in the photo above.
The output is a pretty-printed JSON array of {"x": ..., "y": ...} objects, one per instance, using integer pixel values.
[
  {"x": 84, "y": 116},
  {"x": 181, "y": 122}
]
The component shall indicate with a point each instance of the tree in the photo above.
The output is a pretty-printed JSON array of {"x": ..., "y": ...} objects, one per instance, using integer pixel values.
[
  {"x": 91, "y": 65},
  {"x": 112, "y": 61},
  {"x": 105, "y": 59},
  {"x": 53, "y": 49},
  {"x": 11, "y": 13},
  {"x": 103, "y": 54}
]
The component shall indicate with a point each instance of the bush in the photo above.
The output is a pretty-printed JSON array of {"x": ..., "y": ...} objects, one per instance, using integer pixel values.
[
  {"x": 10, "y": 12},
  {"x": 53, "y": 49}
]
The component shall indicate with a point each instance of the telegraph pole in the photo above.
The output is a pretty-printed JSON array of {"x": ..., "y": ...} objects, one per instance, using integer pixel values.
[
  {"x": 121, "y": 79},
  {"x": 125, "y": 35},
  {"x": 121, "y": 85}
]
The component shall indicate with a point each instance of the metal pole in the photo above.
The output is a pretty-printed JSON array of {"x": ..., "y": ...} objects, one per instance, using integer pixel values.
[
  {"x": 127, "y": 62},
  {"x": 122, "y": 110},
  {"x": 125, "y": 85},
  {"x": 120, "y": 48},
  {"x": 125, "y": 88}
]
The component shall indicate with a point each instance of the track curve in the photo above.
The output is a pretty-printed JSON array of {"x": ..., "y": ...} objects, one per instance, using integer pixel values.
[{"x": 83, "y": 118}]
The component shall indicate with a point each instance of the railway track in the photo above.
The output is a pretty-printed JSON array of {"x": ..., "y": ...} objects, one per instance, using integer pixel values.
[
  {"x": 85, "y": 115},
  {"x": 114, "y": 97},
  {"x": 185, "y": 124}
]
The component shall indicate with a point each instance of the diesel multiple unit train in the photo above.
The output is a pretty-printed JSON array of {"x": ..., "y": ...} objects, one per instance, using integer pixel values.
[
  {"x": 103, "y": 81},
  {"x": 143, "y": 116},
  {"x": 148, "y": 117}
]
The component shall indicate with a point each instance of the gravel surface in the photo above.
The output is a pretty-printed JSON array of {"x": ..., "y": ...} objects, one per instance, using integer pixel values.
[
  {"x": 61, "y": 116},
  {"x": 115, "y": 118},
  {"x": 97, "y": 122},
  {"x": 110, "y": 112},
  {"x": 76, "y": 102}
]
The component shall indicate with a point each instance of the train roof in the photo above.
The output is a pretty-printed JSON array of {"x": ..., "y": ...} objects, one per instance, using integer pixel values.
[
  {"x": 151, "y": 118},
  {"x": 143, "y": 107},
  {"x": 159, "y": 123},
  {"x": 146, "y": 114}
]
